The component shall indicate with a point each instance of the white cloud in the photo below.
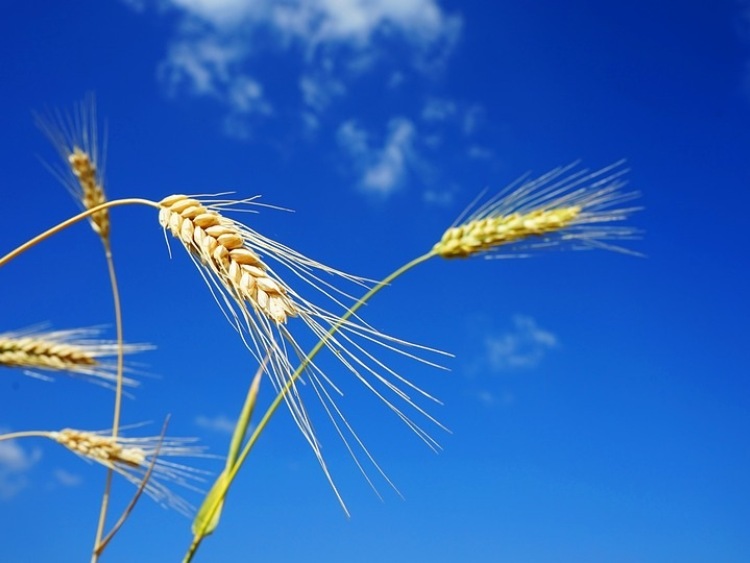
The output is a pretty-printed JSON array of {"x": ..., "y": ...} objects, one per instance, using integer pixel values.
[
  {"x": 320, "y": 89},
  {"x": 15, "y": 461},
  {"x": 218, "y": 423},
  {"x": 491, "y": 399},
  {"x": 246, "y": 96},
  {"x": 522, "y": 347},
  {"x": 478, "y": 152},
  {"x": 442, "y": 198},
  {"x": 384, "y": 169},
  {"x": 67, "y": 479},
  {"x": 468, "y": 117},
  {"x": 216, "y": 45},
  {"x": 438, "y": 109},
  {"x": 473, "y": 118}
]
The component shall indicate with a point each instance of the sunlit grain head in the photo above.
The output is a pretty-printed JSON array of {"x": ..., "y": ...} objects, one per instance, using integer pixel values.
[
  {"x": 75, "y": 136},
  {"x": 132, "y": 458},
  {"x": 576, "y": 208},
  {"x": 75, "y": 352}
]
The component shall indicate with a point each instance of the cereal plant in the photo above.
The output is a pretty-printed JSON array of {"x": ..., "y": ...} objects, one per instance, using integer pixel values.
[{"x": 271, "y": 295}]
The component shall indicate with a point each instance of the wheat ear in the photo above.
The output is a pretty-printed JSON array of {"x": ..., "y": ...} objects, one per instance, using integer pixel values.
[
  {"x": 221, "y": 248},
  {"x": 75, "y": 136},
  {"x": 73, "y": 351},
  {"x": 132, "y": 457},
  {"x": 556, "y": 207}
]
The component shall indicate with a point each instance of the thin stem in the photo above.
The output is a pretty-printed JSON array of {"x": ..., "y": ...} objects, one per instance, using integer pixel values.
[
  {"x": 231, "y": 474},
  {"x": 98, "y": 543},
  {"x": 141, "y": 488},
  {"x": 25, "y": 434},
  {"x": 73, "y": 220},
  {"x": 118, "y": 320}
]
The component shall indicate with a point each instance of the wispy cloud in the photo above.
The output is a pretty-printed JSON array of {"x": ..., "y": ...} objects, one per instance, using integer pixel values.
[
  {"x": 67, "y": 479},
  {"x": 382, "y": 168},
  {"x": 218, "y": 423},
  {"x": 15, "y": 461},
  {"x": 521, "y": 347},
  {"x": 492, "y": 399},
  {"x": 218, "y": 46}
]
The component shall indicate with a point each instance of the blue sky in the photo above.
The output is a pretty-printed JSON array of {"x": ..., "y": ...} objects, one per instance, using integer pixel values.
[{"x": 598, "y": 403}]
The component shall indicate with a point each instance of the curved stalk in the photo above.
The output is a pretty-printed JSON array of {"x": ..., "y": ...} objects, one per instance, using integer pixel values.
[
  {"x": 24, "y": 434},
  {"x": 99, "y": 544},
  {"x": 228, "y": 478},
  {"x": 72, "y": 221}
]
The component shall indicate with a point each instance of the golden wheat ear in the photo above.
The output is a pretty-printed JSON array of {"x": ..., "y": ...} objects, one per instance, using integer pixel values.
[
  {"x": 221, "y": 248},
  {"x": 75, "y": 136},
  {"x": 132, "y": 458},
  {"x": 562, "y": 206},
  {"x": 76, "y": 352}
]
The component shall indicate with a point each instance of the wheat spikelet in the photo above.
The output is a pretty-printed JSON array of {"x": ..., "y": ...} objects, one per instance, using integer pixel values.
[
  {"x": 72, "y": 351},
  {"x": 221, "y": 247},
  {"x": 132, "y": 457},
  {"x": 75, "y": 137},
  {"x": 545, "y": 211},
  {"x": 92, "y": 192}
]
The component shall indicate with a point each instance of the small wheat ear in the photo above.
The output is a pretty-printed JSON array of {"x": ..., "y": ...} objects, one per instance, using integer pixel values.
[
  {"x": 76, "y": 138},
  {"x": 133, "y": 457},
  {"x": 74, "y": 351},
  {"x": 560, "y": 206}
]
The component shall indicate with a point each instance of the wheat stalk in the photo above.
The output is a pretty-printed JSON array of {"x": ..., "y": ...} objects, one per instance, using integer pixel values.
[
  {"x": 73, "y": 351},
  {"x": 554, "y": 208}
]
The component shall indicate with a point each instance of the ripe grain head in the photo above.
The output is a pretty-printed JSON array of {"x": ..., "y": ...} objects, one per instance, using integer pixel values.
[
  {"x": 562, "y": 206},
  {"x": 132, "y": 457},
  {"x": 75, "y": 136},
  {"x": 75, "y": 352}
]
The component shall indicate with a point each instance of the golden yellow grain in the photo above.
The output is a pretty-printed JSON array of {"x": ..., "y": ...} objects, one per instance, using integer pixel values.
[
  {"x": 132, "y": 458},
  {"x": 560, "y": 206},
  {"x": 73, "y": 351},
  {"x": 92, "y": 192},
  {"x": 221, "y": 247},
  {"x": 483, "y": 235},
  {"x": 75, "y": 137},
  {"x": 100, "y": 448}
]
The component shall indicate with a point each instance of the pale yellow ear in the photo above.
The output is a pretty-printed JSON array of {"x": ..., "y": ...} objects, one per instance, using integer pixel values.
[
  {"x": 562, "y": 206},
  {"x": 75, "y": 352},
  {"x": 75, "y": 136}
]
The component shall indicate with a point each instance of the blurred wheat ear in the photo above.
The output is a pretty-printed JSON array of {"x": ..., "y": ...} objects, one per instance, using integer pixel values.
[
  {"x": 132, "y": 458},
  {"x": 75, "y": 351},
  {"x": 76, "y": 138}
]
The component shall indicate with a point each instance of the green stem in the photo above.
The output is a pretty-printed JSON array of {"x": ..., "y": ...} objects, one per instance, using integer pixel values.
[{"x": 199, "y": 534}]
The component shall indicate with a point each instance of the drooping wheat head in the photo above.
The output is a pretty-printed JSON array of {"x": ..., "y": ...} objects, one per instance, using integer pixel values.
[
  {"x": 132, "y": 457},
  {"x": 75, "y": 137},
  {"x": 557, "y": 207},
  {"x": 75, "y": 352},
  {"x": 235, "y": 262},
  {"x": 221, "y": 248}
]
